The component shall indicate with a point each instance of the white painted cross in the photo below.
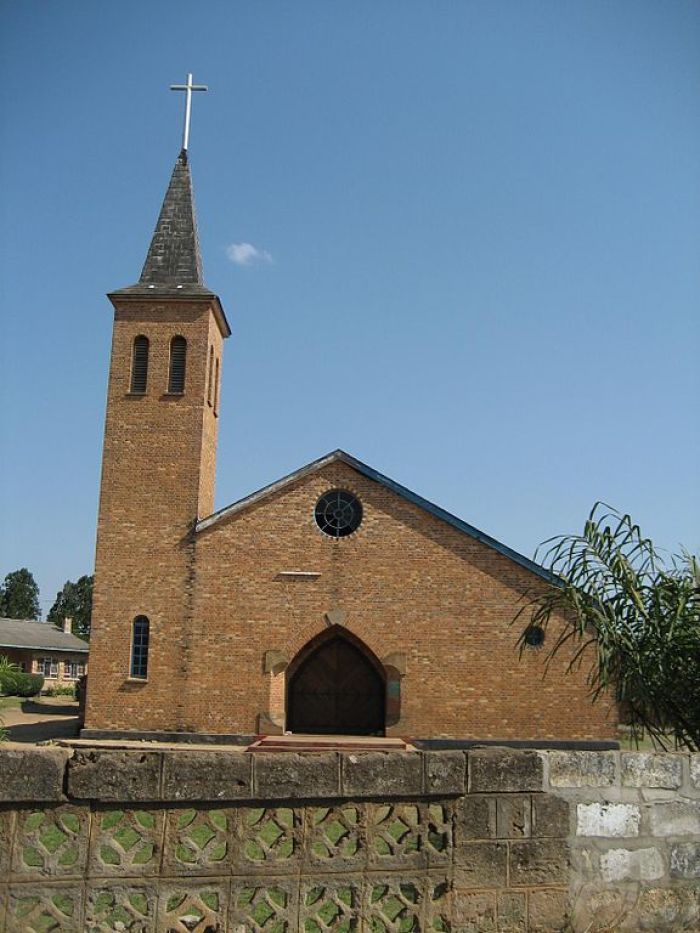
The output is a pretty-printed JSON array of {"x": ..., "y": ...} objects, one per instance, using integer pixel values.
[{"x": 188, "y": 88}]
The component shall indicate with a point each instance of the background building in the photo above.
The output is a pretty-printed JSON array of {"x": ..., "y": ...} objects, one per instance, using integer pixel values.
[{"x": 39, "y": 648}]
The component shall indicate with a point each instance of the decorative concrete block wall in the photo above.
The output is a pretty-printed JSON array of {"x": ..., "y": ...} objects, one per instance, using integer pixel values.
[{"x": 222, "y": 840}]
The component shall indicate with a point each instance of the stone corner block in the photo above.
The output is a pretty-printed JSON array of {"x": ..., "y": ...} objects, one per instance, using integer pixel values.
[
  {"x": 382, "y": 774},
  {"x": 115, "y": 775},
  {"x": 274, "y": 662},
  {"x": 206, "y": 775},
  {"x": 445, "y": 773},
  {"x": 581, "y": 769},
  {"x": 504, "y": 770},
  {"x": 650, "y": 769},
  {"x": 397, "y": 660},
  {"x": 32, "y": 774},
  {"x": 278, "y": 775}
]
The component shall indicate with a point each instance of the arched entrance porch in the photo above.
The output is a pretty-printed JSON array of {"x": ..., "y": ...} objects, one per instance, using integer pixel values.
[{"x": 336, "y": 686}]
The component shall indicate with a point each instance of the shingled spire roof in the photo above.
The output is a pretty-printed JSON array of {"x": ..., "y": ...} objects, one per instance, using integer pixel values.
[
  {"x": 173, "y": 256},
  {"x": 173, "y": 266}
]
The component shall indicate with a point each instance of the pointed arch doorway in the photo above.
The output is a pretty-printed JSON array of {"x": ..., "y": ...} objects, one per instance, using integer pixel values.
[{"x": 336, "y": 686}]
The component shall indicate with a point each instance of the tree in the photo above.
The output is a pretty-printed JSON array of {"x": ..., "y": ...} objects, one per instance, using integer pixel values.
[
  {"x": 19, "y": 596},
  {"x": 74, "y": 601},
  {"x": 639, "y": 614}
]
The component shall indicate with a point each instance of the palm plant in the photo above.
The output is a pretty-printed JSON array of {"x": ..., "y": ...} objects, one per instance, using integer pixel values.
[
  {"x": 8, "y": 669},
  {"x": 638, "y": 614}
]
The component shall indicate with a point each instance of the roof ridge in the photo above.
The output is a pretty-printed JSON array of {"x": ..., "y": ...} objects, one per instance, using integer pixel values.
[{"x": 32, "y": 621}]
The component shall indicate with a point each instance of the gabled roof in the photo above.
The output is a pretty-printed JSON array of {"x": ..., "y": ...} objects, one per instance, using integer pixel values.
[
  {"x": 367, "y": 471},
  {"x": 173, "y": 266},
  {"x": 22, "y": 633}
]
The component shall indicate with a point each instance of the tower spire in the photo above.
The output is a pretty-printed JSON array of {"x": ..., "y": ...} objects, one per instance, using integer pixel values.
[
  {"x": 173, "y": 257},
  {"x": 173, "y": 266}
]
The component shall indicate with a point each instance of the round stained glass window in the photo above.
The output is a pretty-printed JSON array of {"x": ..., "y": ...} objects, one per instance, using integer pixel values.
[
  {"x": 534, "y": 636},
  {"x": 338, "y": 513}
]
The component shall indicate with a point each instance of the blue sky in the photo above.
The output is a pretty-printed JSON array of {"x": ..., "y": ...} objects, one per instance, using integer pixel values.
[{"x": 475, "y": 263}]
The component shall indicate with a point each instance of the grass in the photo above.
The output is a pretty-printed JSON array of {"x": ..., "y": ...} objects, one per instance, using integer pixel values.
[{"x": 646, "y": 743}]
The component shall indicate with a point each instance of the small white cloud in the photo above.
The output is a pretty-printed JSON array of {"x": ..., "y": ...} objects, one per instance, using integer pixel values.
[{"x": 245, "y": 254}]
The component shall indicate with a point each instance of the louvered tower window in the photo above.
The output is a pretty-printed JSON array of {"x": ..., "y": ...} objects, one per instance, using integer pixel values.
[
  {"x": 178, "y": 360},
  {"x": 139, "y": 364},
  {"x": 139, "y": 647}
]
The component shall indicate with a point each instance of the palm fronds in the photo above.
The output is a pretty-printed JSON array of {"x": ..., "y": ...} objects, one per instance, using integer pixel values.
[{"x": 637, "y": 613}]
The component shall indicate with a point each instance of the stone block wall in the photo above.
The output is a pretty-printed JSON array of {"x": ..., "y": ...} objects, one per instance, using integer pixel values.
[
  {"x": 223, "y": 840},
  {"x": 634, "y": 837}
]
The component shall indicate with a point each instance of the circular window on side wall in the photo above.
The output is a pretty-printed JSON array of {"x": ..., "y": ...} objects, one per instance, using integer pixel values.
[
  {"x": 534, "y": 636},
  {"x": 338, "y": 513}
]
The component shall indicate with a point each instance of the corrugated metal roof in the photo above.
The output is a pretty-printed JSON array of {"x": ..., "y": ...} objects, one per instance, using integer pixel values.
[{"x": 21, "y": 633}]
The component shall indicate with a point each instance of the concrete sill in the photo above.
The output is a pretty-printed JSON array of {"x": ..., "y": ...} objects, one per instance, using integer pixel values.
[{"x": 298, "y": 575}]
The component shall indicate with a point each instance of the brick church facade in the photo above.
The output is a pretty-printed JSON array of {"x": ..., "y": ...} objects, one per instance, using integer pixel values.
[{"x": 333, "y": 601}]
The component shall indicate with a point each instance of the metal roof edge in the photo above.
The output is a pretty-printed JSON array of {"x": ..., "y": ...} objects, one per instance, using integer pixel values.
[
  {"x": 47, "y": 648},
  {"x": 445, "y": 516},
  {"x": 395, "y": 487},
  {"x": 253, "y": 497}
]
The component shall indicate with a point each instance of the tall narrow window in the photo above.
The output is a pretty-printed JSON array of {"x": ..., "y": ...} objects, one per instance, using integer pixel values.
[
  {"x": 216, "y": 387},
  {"x": 178, "y": 360},
  {"x": 211, "y": 375},
  {"x": 139, "y": 364},
  {"x": 139, "y": 647}
]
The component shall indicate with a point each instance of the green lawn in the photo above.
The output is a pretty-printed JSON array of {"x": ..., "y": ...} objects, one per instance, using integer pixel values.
[{"x": 10, "y": 702}]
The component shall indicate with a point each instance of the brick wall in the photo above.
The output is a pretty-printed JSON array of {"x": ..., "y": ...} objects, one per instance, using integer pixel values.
[
  {"x": 492, "y": 840},
  {"x": 157, "y": 477},
  {"x": 432, "y": 604},
  {"x": 406, "y": 584}
]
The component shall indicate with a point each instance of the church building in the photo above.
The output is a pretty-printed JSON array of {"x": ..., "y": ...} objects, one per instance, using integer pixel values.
[{"x": 334, "y": 601}]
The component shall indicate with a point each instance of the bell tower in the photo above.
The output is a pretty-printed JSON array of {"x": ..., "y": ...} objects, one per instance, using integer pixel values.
[{"x": 158, "y": 473}]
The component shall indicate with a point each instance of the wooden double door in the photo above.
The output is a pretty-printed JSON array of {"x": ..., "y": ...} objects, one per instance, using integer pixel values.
[{"x": 336, "y": 689}]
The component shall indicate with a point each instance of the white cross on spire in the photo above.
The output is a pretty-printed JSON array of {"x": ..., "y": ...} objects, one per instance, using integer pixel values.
[{"x": 188, "y": 88}]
